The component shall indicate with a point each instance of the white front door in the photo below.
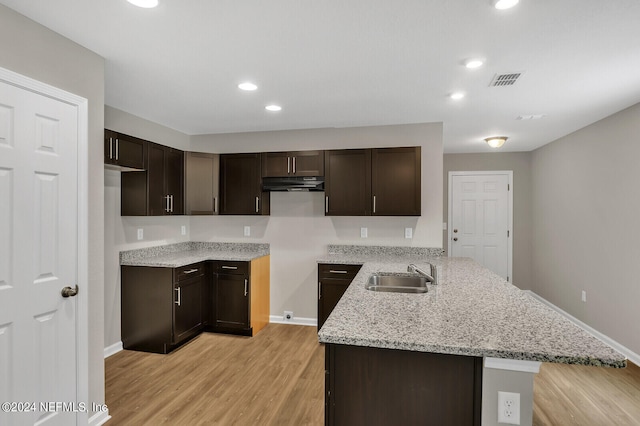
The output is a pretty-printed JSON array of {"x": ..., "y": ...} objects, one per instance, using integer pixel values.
[
  {"x": 38, "y": 257},
  {"x": 480, "y": 218}
]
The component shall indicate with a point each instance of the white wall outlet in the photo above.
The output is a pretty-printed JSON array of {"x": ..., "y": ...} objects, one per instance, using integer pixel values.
[
  {"x": 444, "y": 226},
  {"x": 288, "y": 315},
  {"x": 183, "y": 230},
  {"x": 140, "y": 233},
  {"x": 363, "y": 232},
  {"x": 408, "y": 232},
  {"x": 509, "y": 408},
  {"x": 247, "y": 231},
  {"x": 584, "y": 296}
]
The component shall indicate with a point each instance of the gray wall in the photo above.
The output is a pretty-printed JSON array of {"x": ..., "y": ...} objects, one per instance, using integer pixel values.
[
  {"x": 586, "y": 207},
  {"x": 520, "y": 164},
  {"x": 34, "y": 51}
]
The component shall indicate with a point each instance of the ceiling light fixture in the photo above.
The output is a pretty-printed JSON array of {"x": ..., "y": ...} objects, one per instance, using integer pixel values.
[
  {"x": 504, "y": 4},
  {"x": 456, "y": 96},
  {"x": 496, "y": 141},
  {"x": 273, "y": 108},
  {"x": 248, "y": 86},
  {"x": 147, "y": 4},
  {"x": 473, "y": 63}
]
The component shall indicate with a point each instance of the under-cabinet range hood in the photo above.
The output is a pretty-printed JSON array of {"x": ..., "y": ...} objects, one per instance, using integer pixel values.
[{"x": 293, "y": 183}]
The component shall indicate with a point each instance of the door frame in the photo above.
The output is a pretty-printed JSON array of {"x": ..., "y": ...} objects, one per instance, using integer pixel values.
[
  {"x": 82, "y": 314},
  {"x": 509, "y": 174}
]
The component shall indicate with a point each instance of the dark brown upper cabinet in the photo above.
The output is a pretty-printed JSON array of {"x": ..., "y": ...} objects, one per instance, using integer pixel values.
[
  {"x": 202, "y": 177},
  {"x": 241, "y": 185},
  {"x": 157, "y": 191},
  {"x": 395, "y": 181},
  {"x": 123, "y": 150},
  {"x": 293, "y": 163},
  {"x": 373, "y": 182},
  {"x": 348, "y": 182}
]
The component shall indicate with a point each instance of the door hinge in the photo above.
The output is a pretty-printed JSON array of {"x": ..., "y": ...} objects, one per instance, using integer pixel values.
[
  {"x": 507, "y": 278},
  {"x": 508, "y": 233},
  {"x": 508, "y": 187}
]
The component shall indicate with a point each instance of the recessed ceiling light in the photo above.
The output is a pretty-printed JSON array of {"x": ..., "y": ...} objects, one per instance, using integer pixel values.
[
  {"x": 473, "y": 63},
  {"x": 456, "y": 95},
  {"x": 504, "y": 4},
  {"x": 147, "y": 4},
  {"x": 247, "y": 86},
  {"x": 273, "y": 108}
]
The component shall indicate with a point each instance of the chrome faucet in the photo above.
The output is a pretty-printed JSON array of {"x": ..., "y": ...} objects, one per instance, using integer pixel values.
[{"x": 432, "y": 277}]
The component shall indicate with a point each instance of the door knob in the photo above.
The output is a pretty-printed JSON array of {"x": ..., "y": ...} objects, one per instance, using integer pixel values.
[
  {"x": 455, "y": 239},
  {"x": 69, "y": 292}
]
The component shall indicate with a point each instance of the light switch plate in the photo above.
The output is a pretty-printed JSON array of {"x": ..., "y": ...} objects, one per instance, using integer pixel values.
[
  {"x": 183, "y": 230},
  {"x": 140, "y": 233},
  {"x": 408, "y": 232},
  {"x": 363, "y": 232},
  {"x": 247, "y": 231}
]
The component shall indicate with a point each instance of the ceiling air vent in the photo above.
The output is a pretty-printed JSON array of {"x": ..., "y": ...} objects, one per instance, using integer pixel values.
[{"x": 507, "y": 79}]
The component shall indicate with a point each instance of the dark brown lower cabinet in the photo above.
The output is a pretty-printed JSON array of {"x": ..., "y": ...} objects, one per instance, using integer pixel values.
[
  {"x": 374, "y": 386},
  {"x": 333, "y": 281},
  {"x": 231, "y": 299}
]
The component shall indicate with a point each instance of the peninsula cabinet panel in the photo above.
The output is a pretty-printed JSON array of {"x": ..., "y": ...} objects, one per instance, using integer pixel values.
[
  {"x": 293, "y": 163},
  {"x": 348, "y": 182},
  {"x": 333, "y": 281},
  {"x": 123, "y": 150},
  {"x": 241, "y": 185},
  {"x": 396, "y": 181},
  {"x": 202, "y": 175},
  {"x": 374, "y": 386}
]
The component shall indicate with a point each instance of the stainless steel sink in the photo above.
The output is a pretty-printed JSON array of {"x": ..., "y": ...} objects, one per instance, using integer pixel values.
[{"x": 397, "y": 283}]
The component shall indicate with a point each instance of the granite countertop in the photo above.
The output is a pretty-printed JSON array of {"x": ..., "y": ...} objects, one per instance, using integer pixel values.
[
  {"x": 181, "y": 254},
  {"x": 471, "y": 312}
]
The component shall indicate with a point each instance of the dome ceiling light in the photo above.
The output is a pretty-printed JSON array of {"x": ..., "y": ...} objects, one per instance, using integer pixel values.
[
  {"x": 496, "y": 141},
  {"x": 504, "y": 4},
  {"x": 147, "y": 4}
]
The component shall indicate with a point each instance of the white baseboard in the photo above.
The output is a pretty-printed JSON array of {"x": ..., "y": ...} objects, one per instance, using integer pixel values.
[
  {"x": 631, "y": 356},
  {"x": 113, "y": 349},
  {"x": 99, "y": 418},
  {"x": 279, "y": 319}
]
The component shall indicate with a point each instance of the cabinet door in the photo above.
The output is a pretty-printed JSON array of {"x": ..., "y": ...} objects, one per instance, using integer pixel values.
[
  {"x": 396, "y": 181},
  {"x": 348, "y": 182},
  {"x": 201, "y": 183},
  {"x": 276, "y": 164},
  {"x": 123, "y": 150},
  {"x": 187, "y": 308},
  {"x": 231, "y": 297},
  {"x": 174, "y": 180},
  {"x": 240, "y": 185},
  {"x": 307, "y": 163},
  {"x": 110, "y": 146},
  {"x": 158, "y": 202},
  {"x": 329, "y": 293}
]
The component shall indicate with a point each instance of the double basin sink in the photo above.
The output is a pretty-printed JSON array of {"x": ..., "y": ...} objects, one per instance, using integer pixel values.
[{"x": 397, "y": 283}]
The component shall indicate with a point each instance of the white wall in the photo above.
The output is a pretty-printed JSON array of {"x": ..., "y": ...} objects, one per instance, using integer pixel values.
[
  {"x": 37, "y": 52},
  {"x": 586, "y": 210},
  {"x": 297, "y": 229}
]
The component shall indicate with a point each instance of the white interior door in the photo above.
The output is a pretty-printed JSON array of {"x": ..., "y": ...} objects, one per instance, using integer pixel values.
[
  {"x": 38, "y": 257},
  {"x": 480, "y": 218}
]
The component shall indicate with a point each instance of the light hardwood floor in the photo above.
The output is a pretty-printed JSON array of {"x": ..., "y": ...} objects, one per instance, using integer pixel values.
[{"x": 277, "y": 378}]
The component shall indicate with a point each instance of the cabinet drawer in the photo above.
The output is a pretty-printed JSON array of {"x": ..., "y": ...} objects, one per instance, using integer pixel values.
[
  {"x": 232, "y": 267},
  {"x": 188, "y": 271},
  {"x": 340, "y": 271}
]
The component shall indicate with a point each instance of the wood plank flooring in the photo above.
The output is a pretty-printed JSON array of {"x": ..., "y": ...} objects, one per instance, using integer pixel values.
[{"x": 277, "y": 378}]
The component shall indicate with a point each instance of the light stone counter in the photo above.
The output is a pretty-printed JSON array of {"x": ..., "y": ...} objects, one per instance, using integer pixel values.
[
  {"x": 181, "y": 254},
  {"x": 472, "y": 312}
]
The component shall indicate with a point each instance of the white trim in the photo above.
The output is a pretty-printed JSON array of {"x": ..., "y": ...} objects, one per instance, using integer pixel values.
[
  {"x": 523, "y": 366},
  {"x": 631, "y": 356},
  {"x": 278, "y": 319},
  {"x": 112, "y": 349},
  {"x": 82, "y": 317},
  {"x": 99, "y": 418},
  {"x": 509, "y": 174}
]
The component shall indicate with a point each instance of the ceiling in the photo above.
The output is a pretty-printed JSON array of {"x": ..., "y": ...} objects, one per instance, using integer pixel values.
[{"x": 359, "y": 63}]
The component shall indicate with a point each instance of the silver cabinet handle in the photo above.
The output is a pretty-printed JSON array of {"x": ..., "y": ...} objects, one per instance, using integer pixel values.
[
  {"x": 117, "y": 148},
  {"x": 177, "y": 302},
  {"x": 374, "y": 203},
  {"x": 288, "y": 165},
  {"x": 172, "y": 204},
  {"x": 110, "y": 148},
  {"x": 166, "y": 204},
  {"x": 332, "y": 271},
  {"x": 257, "y": 204},
  {"x": 229, "y": 267},
  {"x": 246, "y": 283},
  {"x": 326, "y": 204},
  {"x": 319, "y": 290},
  {"x": 215, "y": 205},
  {"x": 294, "y": 165},
  {"x": 191, "y": 271}
]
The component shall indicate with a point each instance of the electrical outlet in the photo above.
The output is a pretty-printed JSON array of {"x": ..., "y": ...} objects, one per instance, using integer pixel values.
[
  {"x": 288, "y": 315},
  {"x": 584, "y": 296},
  {"x": 509, "y": 408},
  {"x": 140, "y": 233},
  {"x": 408, "y": 232},
  {"x": 183, "y": 230},
  {"x": 444, "y": 226},
  {"x": 363, "y": 232},
  {"x": 247, "y": 231}
]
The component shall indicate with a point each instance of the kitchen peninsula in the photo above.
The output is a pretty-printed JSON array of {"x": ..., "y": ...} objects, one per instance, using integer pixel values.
[{"x": 409, "y": 357}]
